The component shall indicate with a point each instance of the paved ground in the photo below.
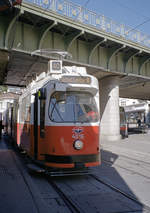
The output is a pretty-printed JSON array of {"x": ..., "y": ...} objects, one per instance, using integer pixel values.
[
  {"x": 125, "y": 164},
  {"x": 17, "y": 191},
  {"x": 130, "y": 159}
]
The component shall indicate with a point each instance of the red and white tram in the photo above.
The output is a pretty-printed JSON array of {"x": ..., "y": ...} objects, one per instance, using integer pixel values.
[{"x": 58, "y": 118}]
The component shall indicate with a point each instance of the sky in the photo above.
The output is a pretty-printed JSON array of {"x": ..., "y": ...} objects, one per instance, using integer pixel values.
[{"x": 132, "y": 13}]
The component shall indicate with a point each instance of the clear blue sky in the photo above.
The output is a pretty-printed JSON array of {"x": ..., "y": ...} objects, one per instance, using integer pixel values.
[{"x": 129, "y": 12}]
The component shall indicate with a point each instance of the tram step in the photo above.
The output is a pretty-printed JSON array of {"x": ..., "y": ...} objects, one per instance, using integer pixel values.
[
  {"x": 68, "y": 173},
  {"x": 35, "y": 168}
]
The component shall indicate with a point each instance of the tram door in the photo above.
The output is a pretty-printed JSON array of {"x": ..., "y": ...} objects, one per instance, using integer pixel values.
[
  {"x": 36, "y": 126},
  {"x": 11, "y": 121},
  {"x": 39, "y": 115}
]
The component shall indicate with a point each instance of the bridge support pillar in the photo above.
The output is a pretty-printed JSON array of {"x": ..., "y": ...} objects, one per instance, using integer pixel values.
[{"x": 109, "y": 109}]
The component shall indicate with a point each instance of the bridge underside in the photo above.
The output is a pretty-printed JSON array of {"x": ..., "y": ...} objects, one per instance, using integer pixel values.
[
  {"x": 21, "y": 68},
  {"x": 28, "y": 29}
]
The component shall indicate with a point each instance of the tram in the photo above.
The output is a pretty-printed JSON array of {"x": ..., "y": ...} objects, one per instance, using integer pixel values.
[
  {"x": 140, "y": 111},
  {"x": 123, "y": 123},
  {"x": 57, "y": 119}
]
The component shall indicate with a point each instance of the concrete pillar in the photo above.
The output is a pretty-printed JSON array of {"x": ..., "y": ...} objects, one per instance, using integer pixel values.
[{"x": 109, "y": 109}]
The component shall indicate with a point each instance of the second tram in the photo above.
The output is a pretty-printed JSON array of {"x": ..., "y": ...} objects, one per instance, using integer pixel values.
[{"x": 123, "y": 123}]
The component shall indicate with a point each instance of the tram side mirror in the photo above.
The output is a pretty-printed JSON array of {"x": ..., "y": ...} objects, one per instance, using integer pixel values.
[{"x": 42, "y": 93}]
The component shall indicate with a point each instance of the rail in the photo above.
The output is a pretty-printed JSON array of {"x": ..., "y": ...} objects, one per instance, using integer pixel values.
[{"x": 87, "y": 17}]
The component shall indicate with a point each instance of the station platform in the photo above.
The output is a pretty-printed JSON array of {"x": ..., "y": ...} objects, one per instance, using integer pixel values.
[{"x": 17, "y": 191}]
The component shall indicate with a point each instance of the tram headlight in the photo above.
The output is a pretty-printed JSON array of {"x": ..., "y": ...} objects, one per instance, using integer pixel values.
[{"x": 78, "y": 144}]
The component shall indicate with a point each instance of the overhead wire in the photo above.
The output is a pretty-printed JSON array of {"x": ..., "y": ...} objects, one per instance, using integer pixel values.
[
  {"x": 134, "y": 28},
  {"x": 86, "y": 3},
  {"x": 136, "y": 12}
]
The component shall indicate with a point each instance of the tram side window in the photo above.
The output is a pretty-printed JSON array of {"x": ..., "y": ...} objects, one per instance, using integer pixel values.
[
  {"x": 22, "y": 110},
  {"x": 25, "y": 112},
  {"x": 42, "y": 118}
]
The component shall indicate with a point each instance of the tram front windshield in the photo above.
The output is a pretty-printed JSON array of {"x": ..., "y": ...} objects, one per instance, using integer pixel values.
[{"x": 73, "y": 107}]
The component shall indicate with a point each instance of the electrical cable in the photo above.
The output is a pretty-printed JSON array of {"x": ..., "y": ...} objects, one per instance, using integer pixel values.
[
  {"x": 136, "y": 12},
  {"x": 82, "y": 7},
  {"x": 144, "y": 22},
  {"x": 131, "y": 9},
  {"x": 86, "y": 3}
]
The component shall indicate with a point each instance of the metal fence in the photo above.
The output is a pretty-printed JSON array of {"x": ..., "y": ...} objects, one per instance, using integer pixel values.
[{"x": 85, "y": 16}]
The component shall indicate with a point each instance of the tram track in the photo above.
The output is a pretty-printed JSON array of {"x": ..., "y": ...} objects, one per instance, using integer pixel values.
[
  {"x": 133, "y": 159},
  {"x": 69, "y": 203},
  {"x": 130, "y": 170},
  {"x": 145, "y": 207},
  {"x": 137, "y": 156},
  {"x": 75, "y": 207}
]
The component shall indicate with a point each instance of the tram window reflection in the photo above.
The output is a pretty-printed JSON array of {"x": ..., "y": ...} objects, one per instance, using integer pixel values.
[{"x": 73, "y": 107}]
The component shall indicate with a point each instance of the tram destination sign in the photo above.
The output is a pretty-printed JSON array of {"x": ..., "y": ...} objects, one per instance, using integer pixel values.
[{"x": 76, "y": 79}]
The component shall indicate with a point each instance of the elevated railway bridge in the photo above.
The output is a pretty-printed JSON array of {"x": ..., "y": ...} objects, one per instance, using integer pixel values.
[{"x": 117, "y": 55}]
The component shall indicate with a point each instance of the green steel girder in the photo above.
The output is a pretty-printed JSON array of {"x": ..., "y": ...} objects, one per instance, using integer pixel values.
[
  {"x": 143, "y": 61},
  {"x": 71, "y": 38},
  {"x": 112, "y": 52},
  {"x": 9, "y": 30},
  {"x": 44, "y": 32},
  {"x": 128, "y": 56},
  {"x": 4, "y": 58},
  {"x": 93, "y": 47},
  {"x": 84, "y": 48}
]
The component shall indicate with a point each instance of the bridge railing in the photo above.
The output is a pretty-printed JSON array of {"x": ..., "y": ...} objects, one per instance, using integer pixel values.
[{"x": 85, "y": 16}]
